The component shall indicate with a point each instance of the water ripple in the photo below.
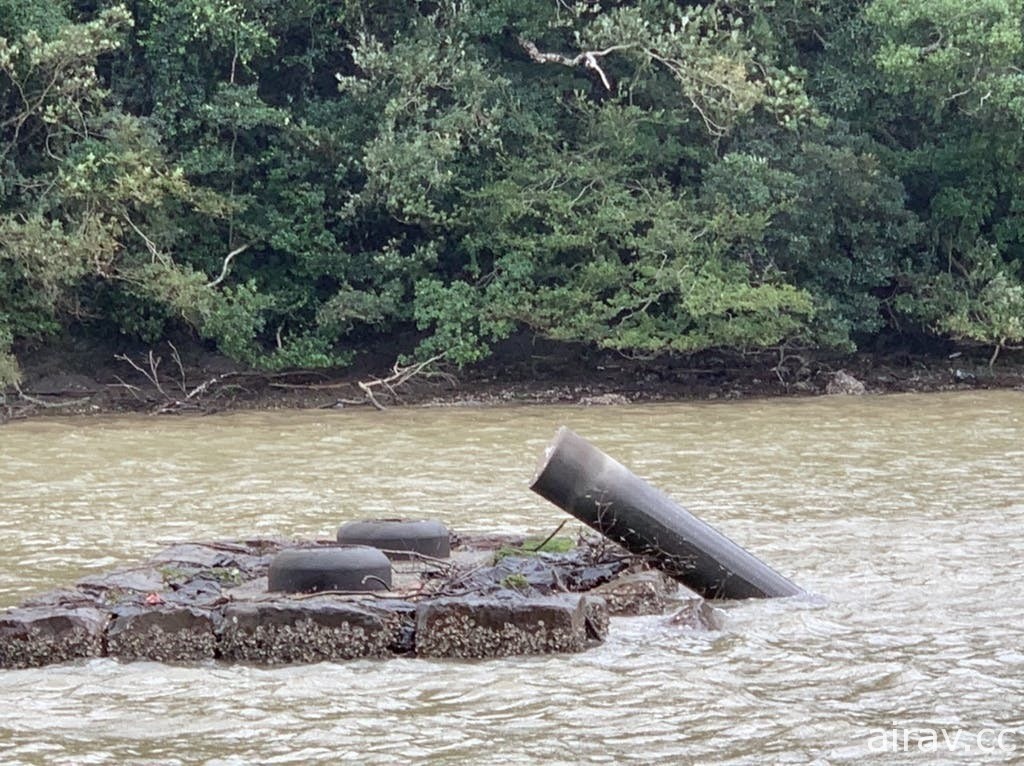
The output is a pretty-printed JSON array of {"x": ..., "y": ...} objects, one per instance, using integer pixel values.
[{"x": 902, "y": 513}]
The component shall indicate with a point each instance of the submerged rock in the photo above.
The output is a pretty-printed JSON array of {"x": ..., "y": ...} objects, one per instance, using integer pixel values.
[
  {"x": 603, "y": 400},
  {"x": 638, "y": 593},
  {"x": 696, "y": 614}
]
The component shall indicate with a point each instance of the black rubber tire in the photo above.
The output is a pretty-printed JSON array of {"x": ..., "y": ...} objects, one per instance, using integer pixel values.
[
  {"x": 427, "y": 537},
  {"x": 345, "y": 567}
]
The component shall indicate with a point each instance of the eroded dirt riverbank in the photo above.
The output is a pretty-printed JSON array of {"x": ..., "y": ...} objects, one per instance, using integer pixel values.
[{"x": 166, "y": 382}]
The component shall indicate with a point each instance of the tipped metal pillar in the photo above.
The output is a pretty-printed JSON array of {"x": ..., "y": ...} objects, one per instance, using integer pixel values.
[{"x": 602, "y": 493}]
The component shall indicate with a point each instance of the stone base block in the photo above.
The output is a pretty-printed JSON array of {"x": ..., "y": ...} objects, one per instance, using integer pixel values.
[
  {"x": 474, "y": 627},
  {"x": 310, "y": 630},
  {"x": 638, "y": 593},
  {"x": 166, "y": 634},
  {"x": 39, "y": 636}
]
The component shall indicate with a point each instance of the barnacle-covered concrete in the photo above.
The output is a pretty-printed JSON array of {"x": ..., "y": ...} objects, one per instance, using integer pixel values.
[
  {"x": 322, "y": 628},
  {"x": 163, "y": 632},
  {"x": 42, "y": 635},
  {"x": 501, "y": 625},
  {"x": 638, "y": 593},
  {"x": 201, "y": 601}
]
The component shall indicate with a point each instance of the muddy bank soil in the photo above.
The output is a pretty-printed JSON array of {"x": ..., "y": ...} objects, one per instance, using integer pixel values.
[{"x": 95, "y": 380}]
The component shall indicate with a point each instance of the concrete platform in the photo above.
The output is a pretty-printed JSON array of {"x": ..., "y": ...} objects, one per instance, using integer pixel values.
[{"x": 198, "y": 601}]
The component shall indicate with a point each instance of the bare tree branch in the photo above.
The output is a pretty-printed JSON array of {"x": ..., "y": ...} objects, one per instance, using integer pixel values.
[
  {"x": 133, "y": 390},
  {"x": 181, "y": 368},
  {"x": 152, "y": 375},
  {"x": 926, "y": 50},
  {"x": 587, "y": 59},
  {"x": 187, "y": 399},
  {"x": 550, "y": 537},
  {"x": 682, "y": 71},
  {"x": 150, "y": 245},
  {"x": 400, "y": 376},
  {"x": 227, "y": 264}
]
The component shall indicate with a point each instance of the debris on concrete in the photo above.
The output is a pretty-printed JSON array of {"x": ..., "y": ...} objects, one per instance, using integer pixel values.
[{"x": 197, "y": 601}]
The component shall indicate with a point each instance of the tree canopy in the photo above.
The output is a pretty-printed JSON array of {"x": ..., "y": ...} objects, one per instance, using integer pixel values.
[{"x": 295, "y": 181}]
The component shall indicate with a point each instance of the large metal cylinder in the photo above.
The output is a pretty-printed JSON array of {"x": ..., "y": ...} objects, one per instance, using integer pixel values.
[{"x": 602, "y": 493}]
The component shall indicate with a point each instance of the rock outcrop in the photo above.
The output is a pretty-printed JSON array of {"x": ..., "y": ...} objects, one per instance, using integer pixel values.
[{"x": 843, "y": 383}]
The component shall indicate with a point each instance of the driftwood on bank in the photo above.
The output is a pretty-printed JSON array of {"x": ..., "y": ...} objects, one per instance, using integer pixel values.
[
  {"x": 400, "y": 376},
  {"x": 602, "y": 493}
]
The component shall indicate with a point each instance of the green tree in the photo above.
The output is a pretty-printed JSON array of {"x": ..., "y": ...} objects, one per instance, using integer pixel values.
[
  {"x": 955, "y": 73},
  {"x": 292, "y": 182}
]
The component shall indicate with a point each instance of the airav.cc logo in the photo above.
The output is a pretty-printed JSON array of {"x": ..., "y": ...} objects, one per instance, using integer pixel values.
[{"x": 923, "y": 739}]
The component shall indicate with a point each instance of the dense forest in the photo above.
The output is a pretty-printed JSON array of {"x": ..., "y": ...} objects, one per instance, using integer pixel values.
[{"x": 291, "y": 182}]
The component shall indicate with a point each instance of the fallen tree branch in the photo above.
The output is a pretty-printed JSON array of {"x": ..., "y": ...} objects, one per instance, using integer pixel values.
[
  {"x": 399, "y": 377},
  {"x": 357, "y": 593},
  {"x": 181, "y": 367},
  {"x": 49, "y": 405},
  {"x": 152, "y": 374},
  {"x": 133, "y": 390},
  {"x": 188, "y": 398}
]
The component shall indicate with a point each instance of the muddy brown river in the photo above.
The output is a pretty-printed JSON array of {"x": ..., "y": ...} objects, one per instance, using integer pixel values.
[{"x": 904, "y": 514}]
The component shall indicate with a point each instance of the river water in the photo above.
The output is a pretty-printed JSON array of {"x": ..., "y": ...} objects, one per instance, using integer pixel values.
[{"x": 904, "y": 514}]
